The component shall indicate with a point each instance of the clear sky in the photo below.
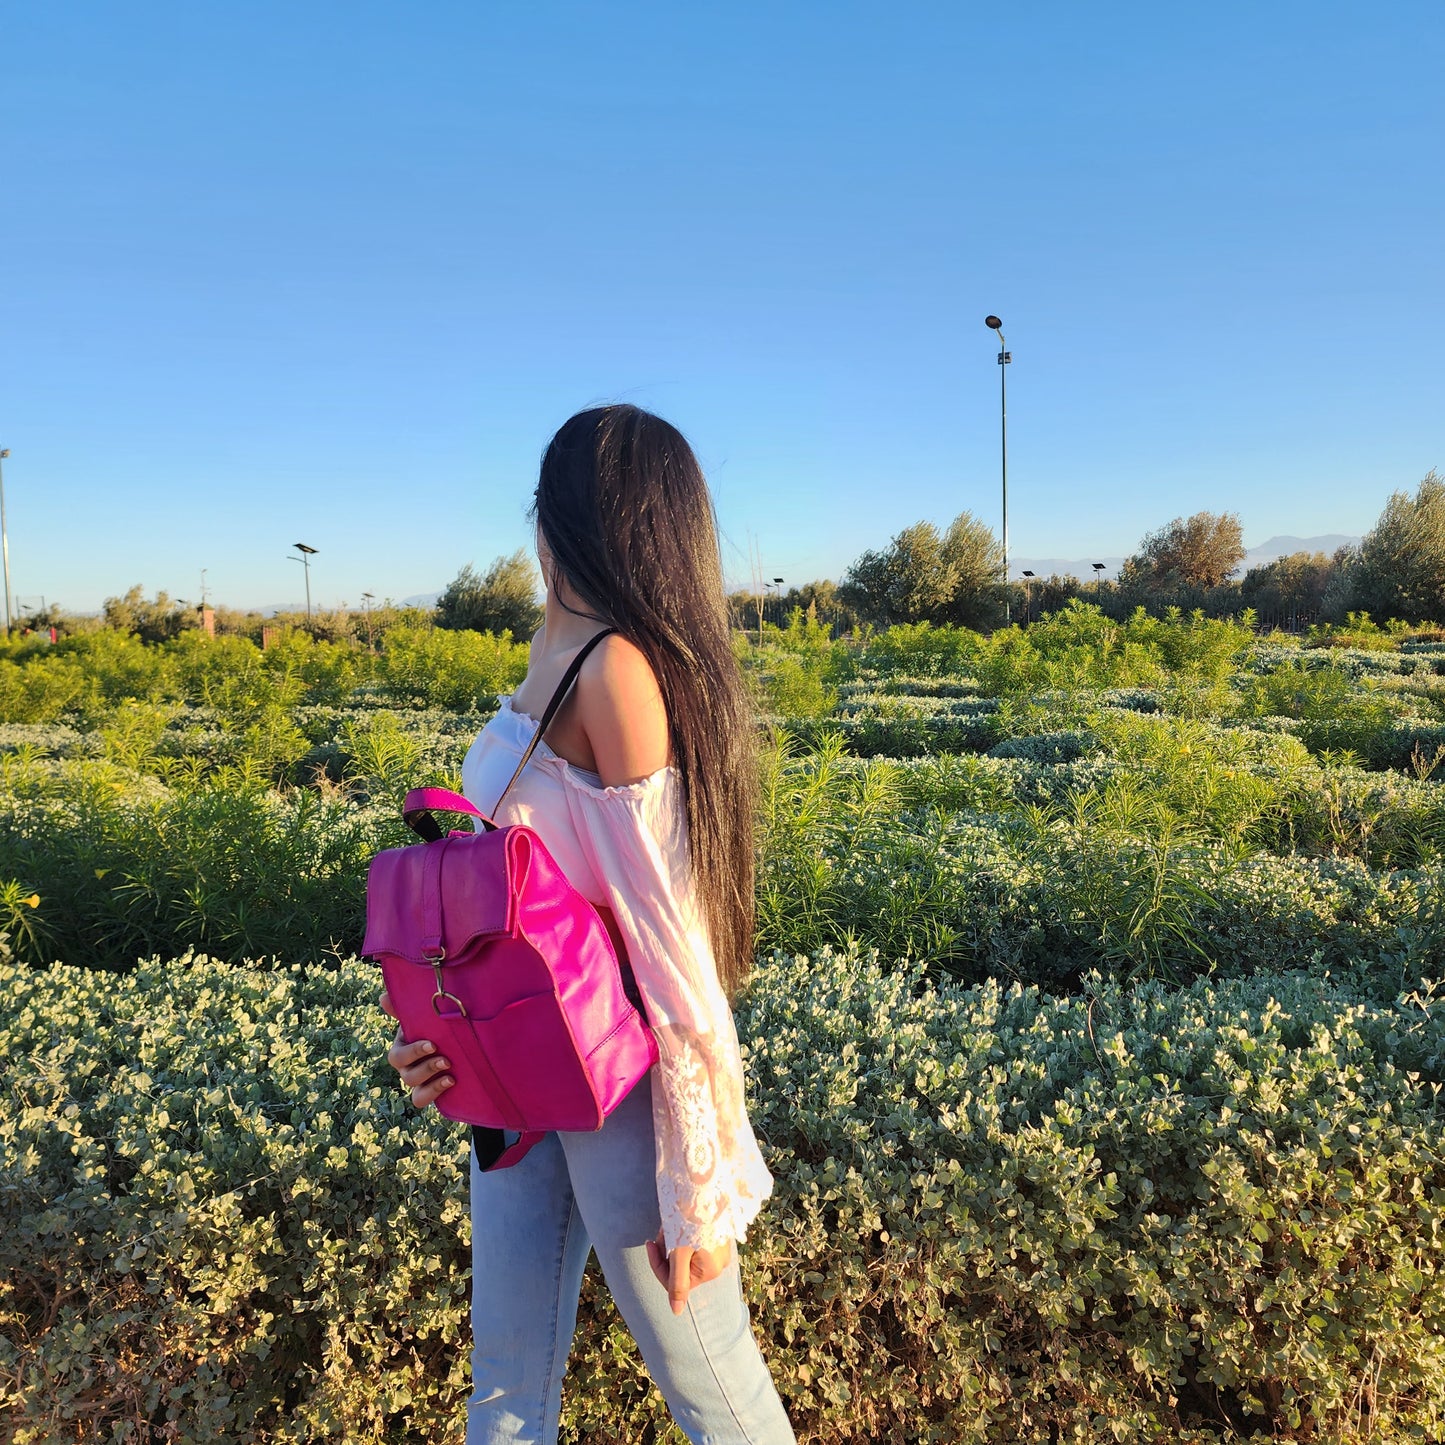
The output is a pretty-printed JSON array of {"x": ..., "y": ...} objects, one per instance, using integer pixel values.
[{"x": 334, "y": 273}]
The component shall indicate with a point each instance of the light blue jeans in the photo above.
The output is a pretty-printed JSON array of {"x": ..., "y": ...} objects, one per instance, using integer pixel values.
[{"x": 533, "y": 1227}]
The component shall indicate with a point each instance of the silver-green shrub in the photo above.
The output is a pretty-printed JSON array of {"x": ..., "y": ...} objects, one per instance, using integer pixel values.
[{"x": 1201, "y": 1215}]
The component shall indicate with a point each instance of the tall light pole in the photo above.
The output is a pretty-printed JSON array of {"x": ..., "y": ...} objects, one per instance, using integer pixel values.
[
  {"x": 994, "y": 324},
  {"x": 307, "y": 553},
  {"x": 5, "y": 539},
  {"x": 367, "y": 598}
]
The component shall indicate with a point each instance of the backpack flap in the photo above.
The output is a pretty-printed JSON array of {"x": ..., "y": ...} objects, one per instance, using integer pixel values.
[{"x": 434, "y": 902}]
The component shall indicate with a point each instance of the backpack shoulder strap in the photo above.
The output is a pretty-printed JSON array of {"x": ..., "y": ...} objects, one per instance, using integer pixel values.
[{"x": 568, "y": 678}]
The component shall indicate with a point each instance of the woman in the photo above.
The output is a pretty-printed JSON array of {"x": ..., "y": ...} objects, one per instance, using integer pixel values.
[{"x": 644, "y": 791}]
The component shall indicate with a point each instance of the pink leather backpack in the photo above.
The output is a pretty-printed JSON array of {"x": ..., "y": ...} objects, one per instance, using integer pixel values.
[{"x": 488, "y": 951}]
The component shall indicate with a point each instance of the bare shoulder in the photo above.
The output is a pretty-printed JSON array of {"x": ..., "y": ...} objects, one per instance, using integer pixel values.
[{"x": 621, "y": 709}]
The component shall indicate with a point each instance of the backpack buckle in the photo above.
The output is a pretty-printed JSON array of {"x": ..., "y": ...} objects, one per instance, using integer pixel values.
[{"x": 441, "y": 993}]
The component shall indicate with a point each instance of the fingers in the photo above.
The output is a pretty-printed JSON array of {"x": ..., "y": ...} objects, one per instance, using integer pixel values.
[
  {"x": 402, "y": 1055},
  {"x": 709, "y": 1263},
  {"x": 386, "y": 1005},
  {"x": 685, "y": 1268},
  {"x": 657, "y": 1258},
  {"x": 679, "y": 1277},
  {"x": 425, "y": 1094},
  {"x": 422, "y": 1070}
]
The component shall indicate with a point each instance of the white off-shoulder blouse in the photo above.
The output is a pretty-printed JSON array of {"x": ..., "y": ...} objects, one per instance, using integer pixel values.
[{"x": 624, "y": 847}]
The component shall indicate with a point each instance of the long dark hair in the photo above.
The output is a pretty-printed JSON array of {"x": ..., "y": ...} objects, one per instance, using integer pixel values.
[{"x": 627, "y": 517}]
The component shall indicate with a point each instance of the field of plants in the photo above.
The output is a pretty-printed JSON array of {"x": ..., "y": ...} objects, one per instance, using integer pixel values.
[{"x": 1095, "y": 1043}]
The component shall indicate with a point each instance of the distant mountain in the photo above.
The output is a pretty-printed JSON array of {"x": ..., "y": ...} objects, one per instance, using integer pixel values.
[
  {"x": 1260, "y": 556},
  {"x": 270, "y": 609},
  {"x": 1278, "y": 547}
]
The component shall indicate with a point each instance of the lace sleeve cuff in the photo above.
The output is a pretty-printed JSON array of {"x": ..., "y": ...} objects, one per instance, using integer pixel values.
[{"x": 711, "y": 1177}]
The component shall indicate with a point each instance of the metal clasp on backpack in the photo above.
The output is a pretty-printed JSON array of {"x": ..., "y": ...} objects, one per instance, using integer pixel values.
[{"x": 441, "y": 993}]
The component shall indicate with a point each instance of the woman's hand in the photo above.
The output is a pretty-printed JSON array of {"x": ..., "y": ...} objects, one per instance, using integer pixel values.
[
  {"x": 420, "y": 1066},
  {"x": 684, "y": 1267}
]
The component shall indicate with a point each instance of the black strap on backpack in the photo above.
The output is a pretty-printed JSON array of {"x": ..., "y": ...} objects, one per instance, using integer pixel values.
[
  {"x": 568, "y": 678},
  {"x": 427, "y": 827},
  {"x": 491, "y": 1145}
]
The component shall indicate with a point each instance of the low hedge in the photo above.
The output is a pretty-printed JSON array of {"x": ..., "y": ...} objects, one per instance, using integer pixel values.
[
  {"x": 972, "y": 731},
  {"x": 1202, "y": 1215},
  {"x": 1400, "y": 743},
  {"x": 1357, "y": 662}
]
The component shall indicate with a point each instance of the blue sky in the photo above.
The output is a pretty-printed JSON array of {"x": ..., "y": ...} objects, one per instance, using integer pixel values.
[{"x": 334, "y": 273}]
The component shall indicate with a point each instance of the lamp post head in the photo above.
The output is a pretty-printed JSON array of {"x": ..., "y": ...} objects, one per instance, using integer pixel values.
[
  {"x": 5, "y": 452},
  {"x": 993, "y": 323},
  {"x": 1099, "y": 566},
  {"x": 1027, "y": 573},
  {"x": 302, "y": 547}
]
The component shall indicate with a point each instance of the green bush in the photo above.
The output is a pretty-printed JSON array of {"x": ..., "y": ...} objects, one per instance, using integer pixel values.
[
  {"x": 919, "y": 649},
  {"x": 1269, "y": 914},
  {"x": 46, "y": 740},
  {"x": 40, "y": 691},
  {"x": 972, "y": 731},
  {"x": 1066, "y": 746},
  {"x": 1313, "y": 694},
  {"x": 1359, "y": 630},
  {"x": 795, "y": 686},
  {"x": 1402, "y": 745},
  {"x": 1201, "y": 1215},
  {"x": 901, "y": 683},
  {"x": 89, "y": 676},
  {"x": 1152, "y": 853},
  {"x": 1078, "y": 648},
  {"x": 812, "y": 817},
  {"x": 438, "y": 668},
  {"x": 126, "y": 867}
]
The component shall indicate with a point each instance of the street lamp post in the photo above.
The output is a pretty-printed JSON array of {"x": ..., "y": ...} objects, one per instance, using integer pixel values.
[
  {"x": 1004, "y": 358},
  {"x": 307, "y": 553},
  {"x": 1028, "y": 582},
  {"x": 367, "y": 599},
  {"x": 5, "y": 540},
  {"x": 1098, "y": 582}
]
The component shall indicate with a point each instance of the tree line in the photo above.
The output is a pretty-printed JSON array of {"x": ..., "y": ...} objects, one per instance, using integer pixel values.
[
  {"x": 953, "y": 576},
  {"x": 1397, "y": 570}
]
